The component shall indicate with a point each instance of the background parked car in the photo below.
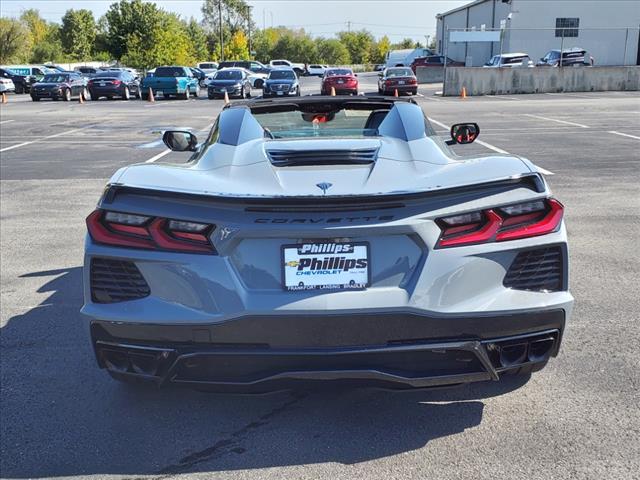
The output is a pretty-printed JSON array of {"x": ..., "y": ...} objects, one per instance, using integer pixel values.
[
  {"x": 6, "y": 85},
  {"x": 59, "y": 86},
  {"x": 572, "y": 57},
  {"x": 434, "y": 61},
  {"x": 171, "y": 80},
  {"x": 234, "y": 81},
  {"x": 22, "y": 83},
  {"x": 299, "y": 68},
  {"x": 316, "y": 69},
  {"x": 256, "y": 68},
  {"x": 120, "y": 83},
  {"x": 87, "y": 72},
  {"x": 509, "y": 60},
  {"x": 343, "y": 80},
  {"x": 57, "y": 68},
  {"x": 200, "y": 75},
  {"x": 282, "y": 81},
  {"x": 401, "y": 79},
  {"x": 208, "y": 67}
]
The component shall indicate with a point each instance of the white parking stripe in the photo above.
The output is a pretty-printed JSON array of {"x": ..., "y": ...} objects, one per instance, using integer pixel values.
[
  {"x": 502, "y": 97},
  {"x": 623, "y": 134},
  {"x": 68, "y": 132},
  {"x": 440, "y": 124},
  {"x": 555, "y": 120},
  {"x": 156, "y": 157},
  {"x": 5, "y": 121},
  {"x": 492, "y": 147}
]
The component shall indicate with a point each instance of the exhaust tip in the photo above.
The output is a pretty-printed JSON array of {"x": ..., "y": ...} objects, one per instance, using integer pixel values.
[
  {"x": 512, "y": 354},
  {"x": 540, "y": 349}
]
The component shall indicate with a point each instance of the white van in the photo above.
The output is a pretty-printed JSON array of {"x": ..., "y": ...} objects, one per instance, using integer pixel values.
[
  {"x": 37, "y": 71},
  {"x": 403, "y": 58}
]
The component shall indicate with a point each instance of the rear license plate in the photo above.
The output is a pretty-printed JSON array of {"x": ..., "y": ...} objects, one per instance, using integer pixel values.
[
  {"x": 401, "y": 82},
  {"x": 325, "y": 266},
  {"x": 340, "y": 81},
  {"x": 102, "y": 84}
]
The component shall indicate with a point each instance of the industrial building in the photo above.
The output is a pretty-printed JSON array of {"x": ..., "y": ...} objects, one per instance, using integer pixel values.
[{"x": 608, "y": 30}]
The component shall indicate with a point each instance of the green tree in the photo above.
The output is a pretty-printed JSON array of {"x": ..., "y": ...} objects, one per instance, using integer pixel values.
[
  {"x": 198, "y": 38},
  {"x": 131, "y": 18},
  {"x": 237, "y": 48},
  {"x": 264, "y": 42},
  {"x": 14, "y": 40},
  {"x": 380, "y": 50},
  {"x": 404, "y": 44},
  {"x": 235, "y": 15},
  {"x": 359, "y": 44},
  {"x": 78, "y": 33},
  {"x": 36, "y": 26},
  {"x": 331, "y": 51}
]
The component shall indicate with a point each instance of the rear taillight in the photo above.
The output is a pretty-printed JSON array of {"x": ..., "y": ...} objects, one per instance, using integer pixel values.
[
  {"x": 116, "y": 82},
  {"x": 413, "y": 81},
  {"x": 509, "y": 222},
  {"x": 154, "y": 233}
]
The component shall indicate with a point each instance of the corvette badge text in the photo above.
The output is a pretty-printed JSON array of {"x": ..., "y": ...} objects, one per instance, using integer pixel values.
[{"x": 326, "y": 266}]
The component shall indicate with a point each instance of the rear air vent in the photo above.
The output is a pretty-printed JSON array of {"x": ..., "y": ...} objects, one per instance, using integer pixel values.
[
  {"x": 116, "y": 281},
  {"x": 291, "y": 158},
  {"x": 539, "y": 270}
]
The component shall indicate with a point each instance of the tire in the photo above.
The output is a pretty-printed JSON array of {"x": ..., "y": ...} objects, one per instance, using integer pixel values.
[
  {"x": 35, "y": 99},
  {"x": 126, "y": 94},
  {"x": 211, "y": 97},
  {"x": 298, "y": 92},
  {"x": 67, "y": 95},
  {"x": 249, "y": 93},
  {"x": 144, "y": 96},
  {"x": 93, "y": 97},
  {"x": 196, "y": 92},
  {"x": 19, "y": 89}
]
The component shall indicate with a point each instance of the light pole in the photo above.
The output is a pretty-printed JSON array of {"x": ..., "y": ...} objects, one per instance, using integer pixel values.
[{"x": 220, "y": 26}]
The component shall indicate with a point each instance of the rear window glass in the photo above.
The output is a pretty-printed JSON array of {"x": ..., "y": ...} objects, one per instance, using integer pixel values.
[
  {"x": 282, "y": 74},
  {"x": 208, "y": 65},
  {"x": 109, "y": 74},
  {"x": 169, "y": 72},
  {"x": 336, "y": 123},
  {"x": 399, "y": 72},
  {"x": 52, "y": 78},
  {"x": 507, "y": 61},
  {"x": 338, "y": 71},
  {"x": 228, "y": 75}
]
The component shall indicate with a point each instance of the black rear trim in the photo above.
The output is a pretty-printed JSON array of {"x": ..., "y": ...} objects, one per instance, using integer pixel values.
[{"x": 531, "y": 181}]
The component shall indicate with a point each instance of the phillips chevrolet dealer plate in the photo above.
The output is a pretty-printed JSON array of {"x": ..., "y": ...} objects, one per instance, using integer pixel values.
[{"x": 325, "y": 266}]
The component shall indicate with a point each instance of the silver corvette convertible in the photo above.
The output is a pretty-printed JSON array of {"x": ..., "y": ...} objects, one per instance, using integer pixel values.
[{"x": 333, "y": 239}]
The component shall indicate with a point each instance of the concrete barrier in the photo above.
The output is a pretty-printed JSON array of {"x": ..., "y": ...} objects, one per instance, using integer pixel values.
[
  {"x": 430, "y": 74},
  {"x": 497, "y": 81}
]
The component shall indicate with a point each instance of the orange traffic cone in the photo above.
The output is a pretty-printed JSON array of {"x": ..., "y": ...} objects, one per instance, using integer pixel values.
[
  {"x": 333, "y": 91},
  {"x": 463, "y": 93},
  {"x": 226, "y": 97},
  {"x": 151, "y": 97},
  {"x": 4, "y": 98},
  {"x": 395, "y": 92}
]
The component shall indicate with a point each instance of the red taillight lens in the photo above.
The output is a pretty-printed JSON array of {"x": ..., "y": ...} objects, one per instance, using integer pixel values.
[
  {"x": 116, "y": 82},
  {"x": 389, "y": 82},
  {"x": 413, "y": 81},
  {"x": 510, "y": 222},
  {"x": 155, "y": 233}
]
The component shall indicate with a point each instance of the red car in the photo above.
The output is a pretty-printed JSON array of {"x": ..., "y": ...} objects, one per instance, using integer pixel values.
[
  {"x": 343, "y": 80},
  {"x": 433, "y": 61},
  {"x": 401, "y": 79}
]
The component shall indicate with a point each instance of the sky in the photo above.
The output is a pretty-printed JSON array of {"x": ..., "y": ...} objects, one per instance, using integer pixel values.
[{"x": 397, "y": 19}]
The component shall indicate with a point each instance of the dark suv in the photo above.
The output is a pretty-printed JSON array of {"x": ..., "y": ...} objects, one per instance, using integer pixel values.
[
  {"x": 572, "y": 57},
  {"x": 434, "y": 61}
]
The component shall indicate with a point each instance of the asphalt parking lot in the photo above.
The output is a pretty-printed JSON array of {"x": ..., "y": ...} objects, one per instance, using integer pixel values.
[{"x": 62, "y": 417}]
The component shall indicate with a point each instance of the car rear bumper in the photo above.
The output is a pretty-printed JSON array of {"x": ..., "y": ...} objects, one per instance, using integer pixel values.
[
  {"x": 391, "y": 350},
  {"x": 100, "y": 92}
]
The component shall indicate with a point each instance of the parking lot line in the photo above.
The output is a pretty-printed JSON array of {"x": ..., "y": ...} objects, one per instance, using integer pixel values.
[
  {"x": 158, "y": 156},
  {"x": 45, "y": 138},
  {"x": 5, "y": 121},
  {"x": 555, "y": 120},
  {"x": 623, "y": 134},
  {"x": 502, "y": 97}
]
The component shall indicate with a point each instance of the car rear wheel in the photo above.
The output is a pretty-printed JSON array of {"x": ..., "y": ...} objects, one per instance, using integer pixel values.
[
  {"x": 66, "y": 96},
  {"x": 35, "y": 99},
  {"x": 126, "y": 95},
  {"x": 84, "y": 94},
  {"x": 19, "y": 89},
  {"x": 196, "y": 92}
]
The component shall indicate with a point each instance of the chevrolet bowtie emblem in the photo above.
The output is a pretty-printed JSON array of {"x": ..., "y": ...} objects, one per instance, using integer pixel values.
[{"x": 324, "y": 186}]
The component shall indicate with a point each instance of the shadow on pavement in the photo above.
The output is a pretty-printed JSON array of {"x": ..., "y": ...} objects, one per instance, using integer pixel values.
[{"x": 61, "y": 416}]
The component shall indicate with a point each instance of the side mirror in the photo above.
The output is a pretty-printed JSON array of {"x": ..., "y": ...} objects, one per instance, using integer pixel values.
[
  {"x": 259, "y": 83},
  {"x": 464, "y": 133},
  {"x": 180, "y": 141}
]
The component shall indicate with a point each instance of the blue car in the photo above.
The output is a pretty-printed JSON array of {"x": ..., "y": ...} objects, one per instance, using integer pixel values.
[
  {"x": 281, "y": 82},
  {"x": 178, "y": 81}
]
